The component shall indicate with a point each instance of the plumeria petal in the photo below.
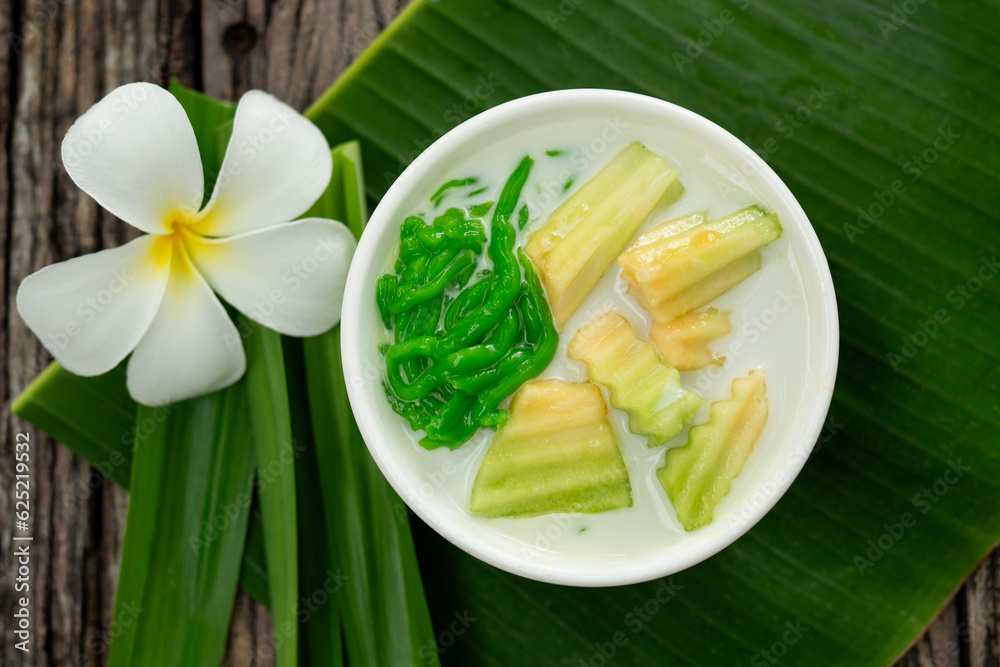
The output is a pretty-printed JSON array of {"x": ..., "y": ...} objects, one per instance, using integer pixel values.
[
  {"x": 191, "y": 347},
  {"x": 289, "y": 277},
  {"x": 135, "y": 153},
  {"x": 91, "y": 311},
  {"x": 277, "y": 165}
]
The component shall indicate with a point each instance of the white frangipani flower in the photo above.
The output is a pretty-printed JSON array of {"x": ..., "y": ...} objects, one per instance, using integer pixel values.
[{"x": 135, "y": 153}]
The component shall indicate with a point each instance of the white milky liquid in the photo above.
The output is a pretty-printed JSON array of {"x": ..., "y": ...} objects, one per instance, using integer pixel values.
[{"x": 767, "y": 312}]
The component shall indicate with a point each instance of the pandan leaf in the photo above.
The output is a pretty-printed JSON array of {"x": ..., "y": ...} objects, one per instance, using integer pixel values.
[
  {"x": 321, "y": 575},
  {"x": 385, "y": 614},
  {"x": 272, "y": 437},
  {"x": 192, "y": 481},
  {"x": 96, "y": 418}
]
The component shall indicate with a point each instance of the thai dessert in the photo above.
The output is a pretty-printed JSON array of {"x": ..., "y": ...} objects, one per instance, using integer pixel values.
[{"x": 554, "y": 326}]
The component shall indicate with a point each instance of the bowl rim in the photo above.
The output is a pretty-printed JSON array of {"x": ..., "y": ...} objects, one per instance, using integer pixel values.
[{"x": 355, "y": 294}]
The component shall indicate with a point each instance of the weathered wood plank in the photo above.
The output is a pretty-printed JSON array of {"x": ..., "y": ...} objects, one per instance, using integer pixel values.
[
  {"x": 30, "y": 247},
  {"x": 942, "y": 644},
  {"x": 9, "y": 27},
  {"x": 982, "y": 614}
]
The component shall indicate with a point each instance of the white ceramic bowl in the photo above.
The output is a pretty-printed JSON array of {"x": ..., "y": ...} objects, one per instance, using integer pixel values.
[{"x": 790, "y": 434}]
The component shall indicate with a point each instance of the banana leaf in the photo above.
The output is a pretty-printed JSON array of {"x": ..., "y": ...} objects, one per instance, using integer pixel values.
[{"x": 881, "y": 118}]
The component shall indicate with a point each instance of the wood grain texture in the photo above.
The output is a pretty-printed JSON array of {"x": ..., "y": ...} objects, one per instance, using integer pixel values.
[{"x": 58, "y": 58}]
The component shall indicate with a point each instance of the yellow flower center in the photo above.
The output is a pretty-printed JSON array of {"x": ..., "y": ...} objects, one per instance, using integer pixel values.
[
  {"x": 173, "y": 244},
  {"x": 179, "y": 222}
]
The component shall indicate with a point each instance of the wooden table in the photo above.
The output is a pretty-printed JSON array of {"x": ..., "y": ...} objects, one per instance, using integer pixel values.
[{"x": 59, "y": 58}]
